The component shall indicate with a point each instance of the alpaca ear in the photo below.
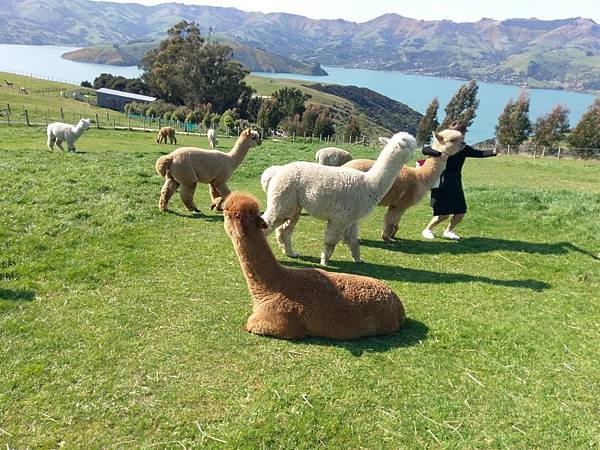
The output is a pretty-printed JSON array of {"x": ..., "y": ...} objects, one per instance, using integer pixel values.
[
  {"x": 247, "y": 132},
  {"x": 438, "y": 137},
  {"x": 384, "y": 140},
  {"x": 261, "y": 223}
]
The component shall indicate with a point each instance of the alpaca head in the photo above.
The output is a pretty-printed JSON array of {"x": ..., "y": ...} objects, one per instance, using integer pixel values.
[
  {"x": 266, "y": 176},
  {"x": 84, "y": 124},
  {"x": 241, "y": 215},
  {"x": 250, "y": 137},
  {"x": 448, "y": 141},
  {"x": 401, "y": 143}
]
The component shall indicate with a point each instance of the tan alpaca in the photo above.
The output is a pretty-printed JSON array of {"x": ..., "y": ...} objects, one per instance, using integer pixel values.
[
  {"x": 413, "y": 183},
  {"x": 188, "y": 166},
  {"x": 296, "y": 303},
  {"x": 164, "y": 133}
]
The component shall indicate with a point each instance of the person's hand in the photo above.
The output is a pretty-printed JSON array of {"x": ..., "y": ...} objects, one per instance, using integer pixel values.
[{"x": 444, "y": 156}]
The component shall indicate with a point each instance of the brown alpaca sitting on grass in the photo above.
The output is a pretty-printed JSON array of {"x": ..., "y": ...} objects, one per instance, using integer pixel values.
[
  {"x": 164, "y": 133},
  {"x": 413, "y": 183},
  {"x": 188, "y": 166},
  {"x": 296, "y": 303}
]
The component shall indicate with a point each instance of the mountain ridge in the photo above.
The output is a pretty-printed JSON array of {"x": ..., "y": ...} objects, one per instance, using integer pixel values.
[{"x": 562, "y": 53}]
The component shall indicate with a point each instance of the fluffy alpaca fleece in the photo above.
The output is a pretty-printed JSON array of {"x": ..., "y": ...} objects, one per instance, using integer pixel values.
[
  {"x": 164, "y": 133},
  {"x": 188, "y": 166},
  {"x": 339, "y": 195},
  {"x": 412, "y": 184},
  {"x": 211, "y": 134},
  {"x": 296, "y": 303},
  {"x": 266, "y": 176},
  {"x": 59, "y": 132},
  {"x": 332, "y": 156}
]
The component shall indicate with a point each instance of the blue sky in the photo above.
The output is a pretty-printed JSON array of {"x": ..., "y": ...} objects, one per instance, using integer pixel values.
[{"x": 457, "y": 10}]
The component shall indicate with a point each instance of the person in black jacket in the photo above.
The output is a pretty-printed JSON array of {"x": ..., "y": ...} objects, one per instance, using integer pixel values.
[{"x": 449, "y": 199}]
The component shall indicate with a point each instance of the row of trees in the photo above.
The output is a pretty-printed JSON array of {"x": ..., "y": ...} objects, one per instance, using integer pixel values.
[{"x": 514, "y": 126}]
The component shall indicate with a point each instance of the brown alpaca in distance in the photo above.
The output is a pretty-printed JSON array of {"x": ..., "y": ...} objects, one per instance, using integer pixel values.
[
  {"x": 296, "y": 303},
  {"x": 413, "y": 183},
  {"x": 188, "y": 166},
  {"x": 164, "y": 133}
]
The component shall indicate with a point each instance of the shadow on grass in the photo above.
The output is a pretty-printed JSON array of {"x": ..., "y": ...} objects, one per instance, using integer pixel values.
[
  {"x": 411, "y": 333},
  {"x": 17, "y": 295},
  {"x": 475, "y": 245},
  {"x": 196, "y": 215},
  {"x": 398, "y": 273}
]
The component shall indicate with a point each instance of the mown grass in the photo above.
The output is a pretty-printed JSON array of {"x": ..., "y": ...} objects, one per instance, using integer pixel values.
[{"x": 121, "y": 326}]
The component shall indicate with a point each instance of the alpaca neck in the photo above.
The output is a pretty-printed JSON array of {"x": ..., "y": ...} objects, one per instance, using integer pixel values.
[
  {"x": 262, "y": 271},
  {"x": 431, "y": 170},
  {"x": 239, "y": 152},
  {"x": 384, "y": 171}
]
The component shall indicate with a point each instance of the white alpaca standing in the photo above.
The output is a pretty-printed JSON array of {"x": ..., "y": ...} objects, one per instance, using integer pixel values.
[
  {"x": 332, "y": 156},
  {"x": 59, "y": 132},
  {"x": 211, "y": 134},
  {"x": 339, "y": 195}
]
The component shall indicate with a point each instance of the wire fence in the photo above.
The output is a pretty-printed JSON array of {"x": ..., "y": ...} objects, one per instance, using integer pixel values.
[{"x": 536, "y": 151}]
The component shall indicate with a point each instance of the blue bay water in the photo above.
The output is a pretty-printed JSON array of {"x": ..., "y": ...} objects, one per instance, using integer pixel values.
[{"x": 415, "y": 91}]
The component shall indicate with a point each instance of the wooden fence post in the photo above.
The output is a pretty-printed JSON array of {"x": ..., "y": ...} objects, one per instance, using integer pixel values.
[
  {"x": 62, "y": 114},
  {"x": 8, "y": 119},
  {"x": 46, "y": 118},
  {"x": 97, "y": 121},
  {"x": 558, "y": 157},
  {"x": 114, "y": 123},
  {"x": 129, "y": 123},
  {"x": 27, "y": 118},
  {"x": 8, "y": 107}
]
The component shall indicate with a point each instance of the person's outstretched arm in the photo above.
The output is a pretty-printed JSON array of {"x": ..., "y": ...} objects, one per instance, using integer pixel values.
[{"x": 472, "y": 153}]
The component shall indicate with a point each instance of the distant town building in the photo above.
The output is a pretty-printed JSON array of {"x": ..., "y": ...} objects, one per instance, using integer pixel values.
[{"x": 110, "y": 98}]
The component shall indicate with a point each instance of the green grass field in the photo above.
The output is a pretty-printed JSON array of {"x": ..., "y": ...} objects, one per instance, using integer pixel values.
[{"x": 121, "y": 326}]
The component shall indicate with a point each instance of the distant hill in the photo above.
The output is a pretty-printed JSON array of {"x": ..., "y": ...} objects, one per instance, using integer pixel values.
[
  {"x": 563, "y": 54},
  {"x": 255, "y": 59},
  {"x": 384, "y": 111}
]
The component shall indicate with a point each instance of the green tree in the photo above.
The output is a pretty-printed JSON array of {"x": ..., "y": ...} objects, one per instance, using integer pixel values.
[
  {"x": 352, "y": 130},
  {"x": 552, "y": 127},
  {"x": 292, "y": 125},
  {"x": 309, "y": 118},
  {"x": 514, "y": 126},
  {"x": 428, "y": 123},
  {"x": 227, "y": 120},
  {"x": 290, "y": 101},
  {"x": 462, "y": 106},
  {"x": 268, "y": 116},
  {"x": 180, "y": 113},
  {"x": 324, "y": 125},
  {"x": 186, "y": 69},
  {"x": 586, "y": 133}
]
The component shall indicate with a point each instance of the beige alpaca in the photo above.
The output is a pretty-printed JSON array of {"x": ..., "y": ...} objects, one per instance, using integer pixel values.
[
  {"x": 164, "y": 133},
  {"x": 296, "y": 303},
  {"x": 188, "y": 166},
  {"x": 413, "y": 183},
  {"x": 332, "y": 156}
]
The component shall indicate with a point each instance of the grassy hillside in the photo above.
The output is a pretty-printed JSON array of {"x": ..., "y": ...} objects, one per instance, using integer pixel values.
[{"x": 122, "y": 326}]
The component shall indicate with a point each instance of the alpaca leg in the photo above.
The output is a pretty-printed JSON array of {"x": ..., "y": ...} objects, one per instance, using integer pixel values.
[
  {"x": 351, "y": 240},
  {"x": 390, "y": 223},
  {"x": 214, "y": 194},
  {"x": 51, "y": 141},
  {"x": 223, "y": 192},
  {"x": 284, "y": 235},
  {"x": 71, "y": 147},
  {"x": 173, "y": 140},
  {"x": 187, "y": 196},
  {"x": 167, "y": 192},
  {"x": 59, "y": 144},
  {"x": 273, "y": 323},
  {"x": 333, "y": 235}
]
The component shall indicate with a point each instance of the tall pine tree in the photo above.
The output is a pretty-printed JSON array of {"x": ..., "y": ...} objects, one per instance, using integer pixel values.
[
  {"x": 462, "y": 106},
  {"x": 587, "y": 132},
  {"x": 428, "y": 123},
  {"x": 514, "y": 125},
  {"x": 551, "y": 128}
]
